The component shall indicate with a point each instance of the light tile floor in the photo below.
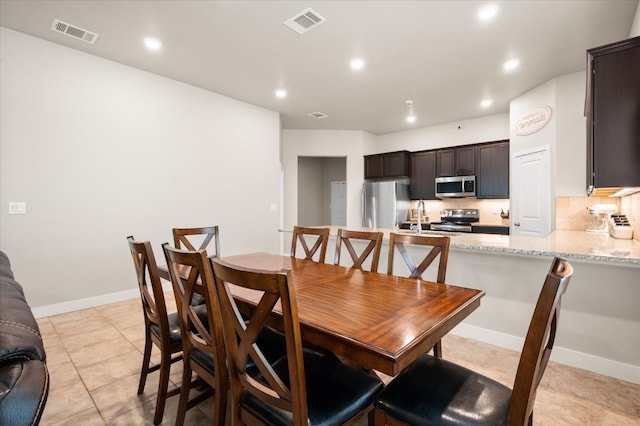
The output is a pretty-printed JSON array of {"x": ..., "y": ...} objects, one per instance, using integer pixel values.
[{"x": 94, "y": 358}]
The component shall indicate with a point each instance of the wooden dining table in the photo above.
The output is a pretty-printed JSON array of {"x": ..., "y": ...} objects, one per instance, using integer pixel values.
[{"x": 374, "y": 320}]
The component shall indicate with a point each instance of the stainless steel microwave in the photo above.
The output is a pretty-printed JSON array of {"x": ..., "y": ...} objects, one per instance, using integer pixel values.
[{"x": 456, "y": 187}]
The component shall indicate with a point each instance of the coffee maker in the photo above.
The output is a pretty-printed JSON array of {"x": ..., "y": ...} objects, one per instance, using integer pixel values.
[{"x": 599, "y": 215}]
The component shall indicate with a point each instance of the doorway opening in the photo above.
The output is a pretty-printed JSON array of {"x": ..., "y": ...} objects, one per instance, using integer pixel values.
[{"x": 316, "y": 178}]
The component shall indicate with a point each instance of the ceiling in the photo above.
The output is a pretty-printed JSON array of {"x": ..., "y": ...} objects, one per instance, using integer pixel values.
[{"x": 435, "y": 53}]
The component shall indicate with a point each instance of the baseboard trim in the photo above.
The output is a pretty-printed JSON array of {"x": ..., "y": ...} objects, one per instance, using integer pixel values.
[
  {"x": 89, "y": 302},
  {"x": 607, "y": 367}
]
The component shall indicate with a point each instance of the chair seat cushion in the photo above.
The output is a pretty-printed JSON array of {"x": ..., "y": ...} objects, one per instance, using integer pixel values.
[
  {"x": 271, "y": 341},
  {"x": 174, "y": 324},
  {"x": 336, "y": 392},
  {"x": 436, "y": 391},
  {"x": 202, "y": 358}
]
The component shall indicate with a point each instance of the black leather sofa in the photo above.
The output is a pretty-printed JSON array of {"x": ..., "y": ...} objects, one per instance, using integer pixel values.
[{"x": 24, "y": 378}]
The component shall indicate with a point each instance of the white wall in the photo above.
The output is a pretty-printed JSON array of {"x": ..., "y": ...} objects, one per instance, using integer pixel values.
[
  {"x": 323, "y": 143},
  {"x": 571, "y": 136},
  {"x": 484, "y": 129},
  {"x": 99, "y": 151},
  {"x": 310, "y": 185},
  {"x": 635, "y": 28}
]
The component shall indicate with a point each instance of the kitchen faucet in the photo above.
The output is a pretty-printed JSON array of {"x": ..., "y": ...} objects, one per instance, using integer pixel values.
[{"x": 420, "y": 210}]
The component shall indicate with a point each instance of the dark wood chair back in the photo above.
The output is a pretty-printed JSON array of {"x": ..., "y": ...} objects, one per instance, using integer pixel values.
[
  {"x": 203, "y": 336},
  {"x": 286, "y": 393},
  {"x": 151, "y": 293},
  {"x": 189, "y": 238},
  {"x": 159, "y": 326},
  {"x": 440, "y": 246},
  {"x": 321, "y": 239},
  {"x": 538, "y": 343},
  {"x": 345, "y": 237}
]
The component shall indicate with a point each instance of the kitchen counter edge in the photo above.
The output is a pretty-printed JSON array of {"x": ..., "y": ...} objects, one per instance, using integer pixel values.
[{"x": 578, "y": 245}]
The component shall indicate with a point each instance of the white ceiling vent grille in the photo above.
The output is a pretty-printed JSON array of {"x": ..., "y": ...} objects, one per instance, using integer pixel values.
[
  {"x": 304, "y": 21},
  {"x": 73, "y": 31},
  {"x": 318, "y": 115}
]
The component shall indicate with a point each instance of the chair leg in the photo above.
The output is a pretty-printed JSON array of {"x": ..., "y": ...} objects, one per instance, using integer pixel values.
[
  {"x": 379, "y": 418},
  {"x": 146, "y": 359},
  {"x": 220, "y": 405},
  {"x": 165, "y": 367},
  {"x": 437, "y": 349},
  {"x": 184, "y": 391}
]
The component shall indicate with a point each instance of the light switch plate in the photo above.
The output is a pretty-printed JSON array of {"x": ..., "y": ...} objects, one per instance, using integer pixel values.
[{"x": 17, "y": 207}]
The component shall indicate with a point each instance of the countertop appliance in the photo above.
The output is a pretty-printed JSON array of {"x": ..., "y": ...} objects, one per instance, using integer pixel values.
[
  {"x": 599, "y": 217},
  {"x": 458, "y": 220},
  {"x": 619, "y": 227},
  {"x": 456, "y": 187},
  {"x": 385, "y": 204}
]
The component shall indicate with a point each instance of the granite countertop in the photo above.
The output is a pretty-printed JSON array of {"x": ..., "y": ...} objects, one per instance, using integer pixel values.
[{"x": 579, "y": 245}]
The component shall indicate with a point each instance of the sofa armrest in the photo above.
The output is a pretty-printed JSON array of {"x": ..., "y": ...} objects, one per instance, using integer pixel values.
[{"x": 19, "y": 333}]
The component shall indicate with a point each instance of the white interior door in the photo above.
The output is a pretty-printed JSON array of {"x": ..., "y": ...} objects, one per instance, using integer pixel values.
[
  {"x": 531, "y": 193},
  {"x": 339, "y": 203}
]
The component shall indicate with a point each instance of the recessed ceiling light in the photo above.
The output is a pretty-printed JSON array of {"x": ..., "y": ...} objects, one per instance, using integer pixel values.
[
  {"x": 357, "y": 64},
  {"x": 511, "y": 65},
  {"x": 281, "y": 93},
  {"x": 152, "y": 43},
  {"x": 411, "y": 119},
  {"x": 486, "y": 13},
  {"x": 486, "y": 103}
]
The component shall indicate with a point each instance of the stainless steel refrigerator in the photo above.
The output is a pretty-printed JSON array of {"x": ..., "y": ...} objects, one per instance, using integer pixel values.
[{"x": 384, "y": 204}]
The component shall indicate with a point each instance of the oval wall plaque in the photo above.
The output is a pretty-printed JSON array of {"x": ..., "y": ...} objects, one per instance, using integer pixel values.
[{"x": 532, "y": 120}]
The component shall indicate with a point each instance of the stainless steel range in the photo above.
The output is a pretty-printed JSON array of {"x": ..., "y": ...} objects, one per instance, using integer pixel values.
[{"x": 458, "y": 220}]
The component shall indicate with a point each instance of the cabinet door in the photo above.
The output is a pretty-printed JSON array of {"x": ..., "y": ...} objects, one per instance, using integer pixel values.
[
  {"x": 492, "y": 179},
  {"x": 466, "y": 161},
  {"x": 446, "y": 162},
  {"x": 373, "y": 166},
  {"x": 395, "y": 164},
  {"x": 615, "y": 114},
  {"x": 423, "y": 175}
]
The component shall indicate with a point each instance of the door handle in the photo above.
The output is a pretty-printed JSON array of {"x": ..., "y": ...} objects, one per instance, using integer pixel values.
[{"x": 516, "y": 224}]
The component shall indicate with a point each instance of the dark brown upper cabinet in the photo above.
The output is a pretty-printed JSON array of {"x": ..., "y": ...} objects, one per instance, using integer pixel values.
[
  {"x": 492, "y": 180},
  {"x": 612, "y": 109},
  {"x": 373, "y": 166},
  {"x": 459, "y": 161},
  {"x": 387, "y": 165},
  {"x": 423, "y": 175}
]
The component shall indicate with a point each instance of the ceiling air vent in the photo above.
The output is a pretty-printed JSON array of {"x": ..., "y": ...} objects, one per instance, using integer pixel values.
[
  {"x": 304, "y": 21},
  {"x": 73, "y": 31},
  {"x": 318, "y": 115}
]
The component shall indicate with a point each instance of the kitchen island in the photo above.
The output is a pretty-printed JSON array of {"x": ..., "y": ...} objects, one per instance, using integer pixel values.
[
  {"x": 600, "y": 320},
  {"x": 571, "y": 245}
]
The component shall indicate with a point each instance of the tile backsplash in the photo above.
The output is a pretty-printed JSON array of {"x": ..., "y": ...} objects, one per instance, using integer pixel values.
[
  {"x": 489, "y": 209},
  {"x": 572, "y": 213}
]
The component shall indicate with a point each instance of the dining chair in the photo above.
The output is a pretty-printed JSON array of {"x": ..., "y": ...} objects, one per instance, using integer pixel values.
[
  {"x": 439, "y": 248},
  {"x": 320, "y": 243},
  {"x": 304, "y": 386},
  {"x": 345, "y": 237},
  {"x": 202, "y": 341},
  {"x": 160, "y": 328},
  {"x": 435, "y": 391},
  {"x": 189, "y": 238}
]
